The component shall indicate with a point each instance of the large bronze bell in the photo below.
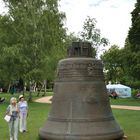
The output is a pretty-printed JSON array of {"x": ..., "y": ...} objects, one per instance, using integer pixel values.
[{"x": 80, "y": 106}]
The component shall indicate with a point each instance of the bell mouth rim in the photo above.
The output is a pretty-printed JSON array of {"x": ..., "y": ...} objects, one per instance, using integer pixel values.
[{"x": 117, "y": 135}]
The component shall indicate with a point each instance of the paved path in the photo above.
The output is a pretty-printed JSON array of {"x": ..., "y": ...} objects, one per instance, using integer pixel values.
[
  {"x": 126, "y": 107},
  {"x": 48, "y": 100}
]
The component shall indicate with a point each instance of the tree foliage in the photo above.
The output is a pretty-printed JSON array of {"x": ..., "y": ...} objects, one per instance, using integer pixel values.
[
  {"x": 134, "y": 42},
  {"x": 113, "y": 65},
  {"x": 92, "y": 34},
  {"x": 134, "y": 32},
  {"x": 31, "y": 39}
]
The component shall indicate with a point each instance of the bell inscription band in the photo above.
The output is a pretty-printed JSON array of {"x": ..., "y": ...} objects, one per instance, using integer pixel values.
[{"x": 80, "y": 106}]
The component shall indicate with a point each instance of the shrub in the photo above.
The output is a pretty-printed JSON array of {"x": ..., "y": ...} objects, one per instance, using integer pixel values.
[{"x": 134, "y": 92}]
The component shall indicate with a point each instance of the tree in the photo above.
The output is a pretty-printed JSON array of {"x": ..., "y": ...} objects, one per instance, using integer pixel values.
[
  {"x": 134, "y": 40},
  {"x": 92, "y": 34},
  {"x": 9, "y": 58},
  {"x": 38, "y": 35},
  {"x": 113, "y": 64},
  {"x": 134, "y": 32}
]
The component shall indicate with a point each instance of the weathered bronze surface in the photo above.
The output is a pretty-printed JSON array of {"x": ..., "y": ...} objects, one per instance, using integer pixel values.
[{"x": 80, "y": 106}]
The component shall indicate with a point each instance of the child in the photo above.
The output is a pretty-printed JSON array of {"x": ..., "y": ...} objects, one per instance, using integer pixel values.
[
  {"x": 23, "y": 108},
  {"x": 13, "y": 111}
]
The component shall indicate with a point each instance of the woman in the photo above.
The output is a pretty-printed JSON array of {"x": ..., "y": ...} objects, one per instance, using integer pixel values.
[
  {"x": 13, "y": 111},
  {"x": 23, "y": 108}
]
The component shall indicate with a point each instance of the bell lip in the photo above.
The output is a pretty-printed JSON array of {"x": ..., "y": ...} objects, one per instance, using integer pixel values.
[{"x": 118, "y": 135}]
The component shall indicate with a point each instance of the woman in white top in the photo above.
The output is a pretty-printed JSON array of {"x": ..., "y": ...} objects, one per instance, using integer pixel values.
[
  {"x": 12, "y": 110},
  {"x": 23, "y": 111}
]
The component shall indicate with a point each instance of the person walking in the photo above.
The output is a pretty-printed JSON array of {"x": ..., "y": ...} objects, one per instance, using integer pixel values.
[
  {"x": 13, "y": 111},
  {"x": 23, "y": 112}
]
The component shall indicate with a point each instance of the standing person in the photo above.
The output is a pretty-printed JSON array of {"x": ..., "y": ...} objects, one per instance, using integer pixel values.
[
  {"x": 23, "y": 108},
  {"x": 12, "y": 110}
]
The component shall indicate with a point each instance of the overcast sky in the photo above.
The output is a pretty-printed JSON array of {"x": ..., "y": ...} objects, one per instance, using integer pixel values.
[{"x": 113, "y": 16}]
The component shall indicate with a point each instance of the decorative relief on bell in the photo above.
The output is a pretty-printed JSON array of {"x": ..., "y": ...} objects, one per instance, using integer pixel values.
[
  {"x": 90, "y": 70},
  {"x": 91, "y": 100},
  {"x": 78, "y": 69}
]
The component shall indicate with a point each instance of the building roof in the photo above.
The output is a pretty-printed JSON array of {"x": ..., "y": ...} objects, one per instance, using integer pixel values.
[{"x": 116, "y": 86}]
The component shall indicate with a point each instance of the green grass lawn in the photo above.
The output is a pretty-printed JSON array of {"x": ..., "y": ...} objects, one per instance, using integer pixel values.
[
  {"x": 125, "y": 101},
  {"x": 128, "y": 120}
]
